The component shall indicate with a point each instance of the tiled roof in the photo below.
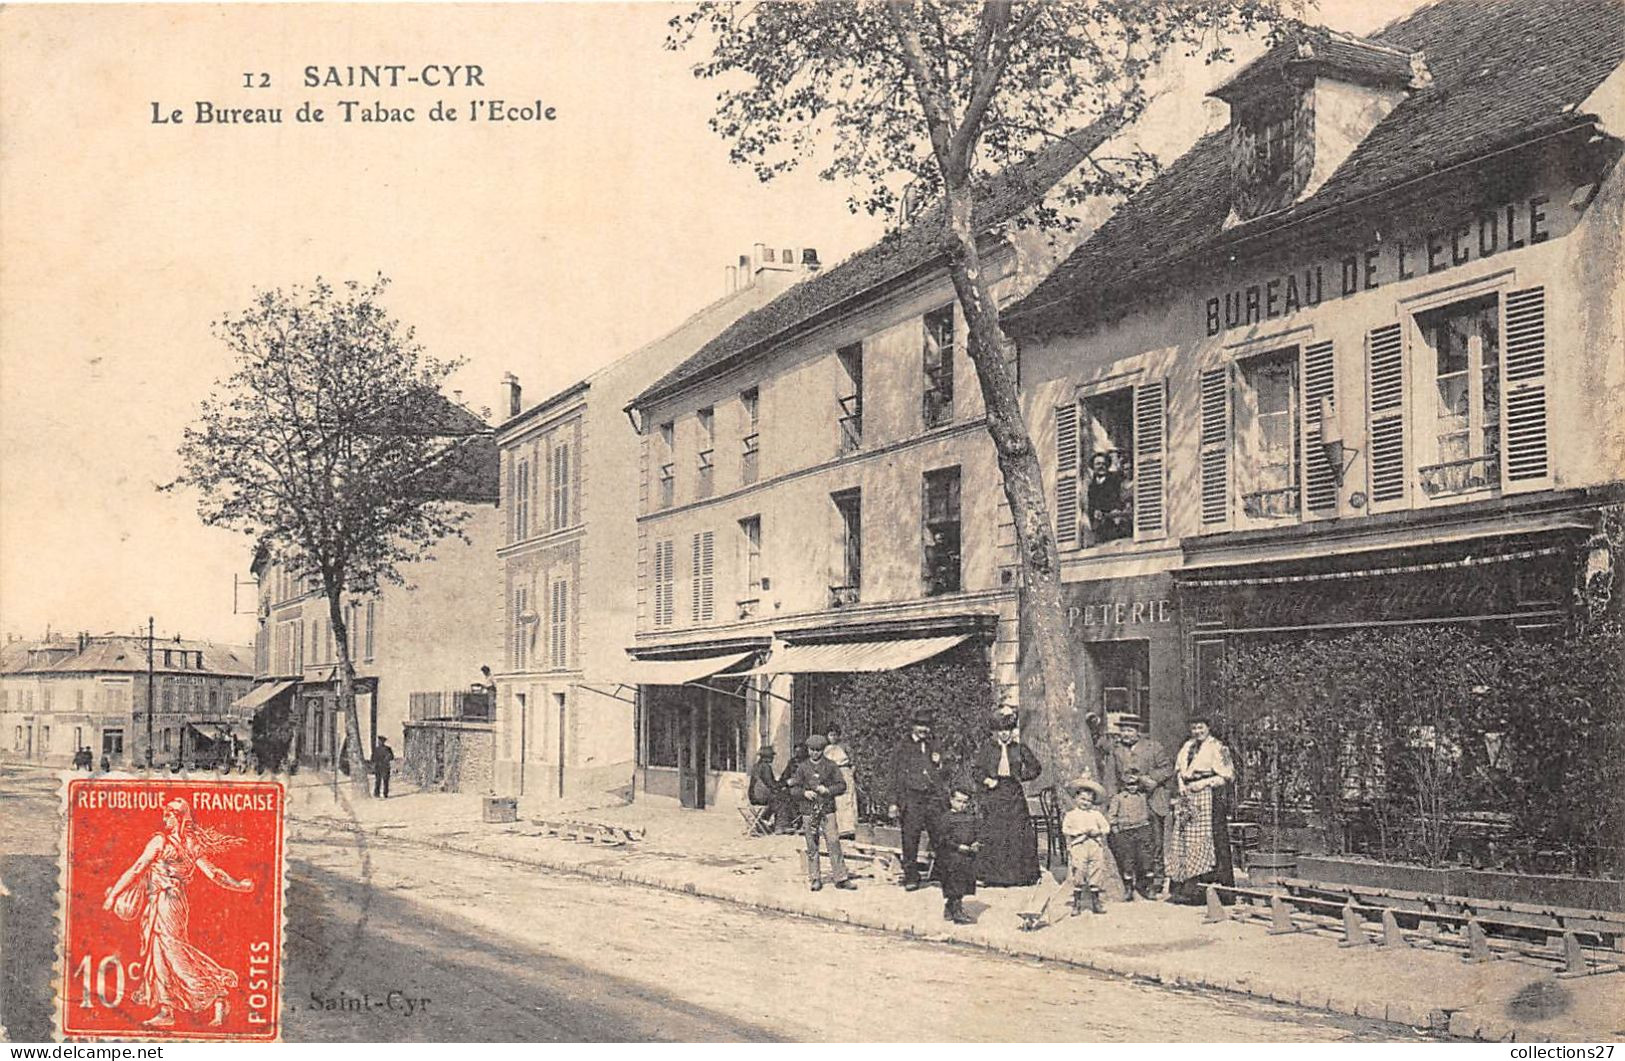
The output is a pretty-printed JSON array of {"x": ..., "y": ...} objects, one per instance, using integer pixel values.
[
  {"x": 128, "y": 654},
  {"x": 1012, "y": 191},
  {"x": 1314, "y": 48},
  {"x": 1502, "y": 72}
]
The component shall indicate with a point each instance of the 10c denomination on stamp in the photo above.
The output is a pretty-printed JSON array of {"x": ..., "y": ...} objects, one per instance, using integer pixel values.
[{"x": 172, "y": 909}]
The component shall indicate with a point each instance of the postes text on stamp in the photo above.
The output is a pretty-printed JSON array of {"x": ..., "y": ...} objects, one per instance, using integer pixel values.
[{"x": 172, "y": 909}]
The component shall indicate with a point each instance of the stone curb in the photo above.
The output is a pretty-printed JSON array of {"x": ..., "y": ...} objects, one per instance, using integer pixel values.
[{"x": 1415, "y": 1016}]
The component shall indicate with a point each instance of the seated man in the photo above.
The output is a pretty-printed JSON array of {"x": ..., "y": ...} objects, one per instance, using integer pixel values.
[{"x": 766, "y": 790}]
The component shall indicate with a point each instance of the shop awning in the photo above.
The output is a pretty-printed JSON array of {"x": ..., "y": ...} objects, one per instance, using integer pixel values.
[
  {"x": 211, "y": 732},
  {"x": 852, "y": 656},
  {"x": 675, "y": 671},
  {"x": 261, "y": 695}
]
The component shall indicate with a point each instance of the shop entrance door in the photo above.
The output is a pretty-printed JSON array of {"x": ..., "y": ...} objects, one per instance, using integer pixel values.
[{"x": 693, "y": 742}]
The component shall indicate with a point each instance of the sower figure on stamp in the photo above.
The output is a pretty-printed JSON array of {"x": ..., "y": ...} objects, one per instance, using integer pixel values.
[
  {"x": 174, "y": 973},
  {"x": 919, "y": 789},
  {"x": 956, "y": 850},
  {"x": 382, "y": 756},
  {"x": 814, "y": 785}
]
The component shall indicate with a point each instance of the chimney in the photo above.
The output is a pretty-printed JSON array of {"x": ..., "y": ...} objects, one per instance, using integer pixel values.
[
  {"x": 510, "y": 394},
  {"x": 731, "y": 280},
  {"x": 809, "y": 259},
  {"x": 1217, "y": 113}
]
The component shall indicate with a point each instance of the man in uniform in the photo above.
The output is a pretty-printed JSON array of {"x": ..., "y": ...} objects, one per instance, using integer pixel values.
[
  {"x": 919, "y": 791},
  {"x": 382, "y": 756},
  {"x": 1143, "y": 763}
]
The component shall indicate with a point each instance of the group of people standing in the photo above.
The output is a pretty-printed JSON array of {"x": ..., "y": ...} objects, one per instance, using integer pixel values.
[{"x": 1165, "y": 819}]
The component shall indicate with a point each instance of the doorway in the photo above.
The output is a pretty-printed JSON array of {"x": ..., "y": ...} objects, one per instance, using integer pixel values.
[{"x": 693, "y": 746}]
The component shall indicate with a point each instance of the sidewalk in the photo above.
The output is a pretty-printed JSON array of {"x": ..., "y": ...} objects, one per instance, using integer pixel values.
[{"x": 707, "y": 854}]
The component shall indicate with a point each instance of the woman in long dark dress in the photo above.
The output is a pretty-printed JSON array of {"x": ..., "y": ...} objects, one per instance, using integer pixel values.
[
  {"x": 1199, "y": 842},
  {"x": 1009, "y": 852}
]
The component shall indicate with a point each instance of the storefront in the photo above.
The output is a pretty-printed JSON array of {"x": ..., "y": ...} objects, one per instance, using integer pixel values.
[
  {"x": 697, "y": 722},
  {"x": 1126, "y": 638}
]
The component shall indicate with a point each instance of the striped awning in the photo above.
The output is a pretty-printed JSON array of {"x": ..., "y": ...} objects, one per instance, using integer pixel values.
[
  {"x": 852, "y": 656},
  {"x": 261, "y": 695},
  {"x": 675, "y": 671},
  {"x": 1381, "y": 572}
]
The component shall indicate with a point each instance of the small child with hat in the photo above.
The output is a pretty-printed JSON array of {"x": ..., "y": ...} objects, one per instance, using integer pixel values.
[
  {"x": 1086, "y": 829},
  {"x": 1133, "y": 838}
]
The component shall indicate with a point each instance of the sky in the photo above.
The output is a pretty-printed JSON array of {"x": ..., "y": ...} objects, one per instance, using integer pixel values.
[{"x": 542, "y": 248}]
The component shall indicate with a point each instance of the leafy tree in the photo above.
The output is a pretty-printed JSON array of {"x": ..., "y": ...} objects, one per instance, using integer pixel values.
[
  {"x": 937, "y": 95},
  {"x": 332, "y": 445}
]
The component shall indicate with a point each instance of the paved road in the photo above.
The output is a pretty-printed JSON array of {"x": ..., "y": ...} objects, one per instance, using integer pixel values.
[{"x": 471, "y": 949}]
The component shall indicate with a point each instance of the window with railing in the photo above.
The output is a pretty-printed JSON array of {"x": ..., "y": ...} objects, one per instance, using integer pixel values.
[
  {"x": 1268, "y": 459},
  {"x": 705, "y": 477},
  {"x": 941, "y": 532},
  {"x": 1464, "y": 439},
  {"x": 849, "y": 419},
  {"x": 938, "y": 397},
  {"x": 749, "y": 457},
  {"x": 849, "y": 510},
  {"x": 750, "y": 541},
  {"x": 667, "y": 464}
]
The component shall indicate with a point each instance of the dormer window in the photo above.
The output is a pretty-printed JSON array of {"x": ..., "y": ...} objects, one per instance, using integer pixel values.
[{"x": 1272, "y": 150}]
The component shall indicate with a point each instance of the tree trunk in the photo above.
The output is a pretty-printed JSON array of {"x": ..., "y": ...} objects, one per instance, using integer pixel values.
[
  {"x": 352, "y": 723},
  {"x": 1065, "y": 734}
]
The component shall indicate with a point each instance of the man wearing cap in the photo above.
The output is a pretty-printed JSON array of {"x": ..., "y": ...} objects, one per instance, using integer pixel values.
[
  {"x": 814, "y": 785},
  {"x": 1140, "y": 763},
  {"x": 766, "y": 791},
  {"x": 919, "y": 790}
]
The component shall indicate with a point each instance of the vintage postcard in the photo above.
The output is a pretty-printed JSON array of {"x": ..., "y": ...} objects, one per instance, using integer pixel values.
[{"x": 854, "y": 521}]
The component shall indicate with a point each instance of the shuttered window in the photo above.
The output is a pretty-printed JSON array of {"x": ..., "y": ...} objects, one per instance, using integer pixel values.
[
  {"x": 558, "y": 640},
  {"x": 1215, "y": 446},
  {"x": 665, "y": 582},
  {"x": 1385, "y": 385},
  {"x": 1066, "y": 476},
  {"x": 1527, "y": 463},
  {"x": 702, "y": 576},
  {"x": 1317, "y": 371},
  {"x": 1150, "y": 460}
]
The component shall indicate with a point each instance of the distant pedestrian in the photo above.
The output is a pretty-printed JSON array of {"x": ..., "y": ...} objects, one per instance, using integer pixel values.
[
  {"x": 1199, "y": 845},
  {"x": 846, "y": 804},
  {"x": 107, "y": 764},
  {"x": 956, "y": 848},
  {"x": 919, "y": 790},
  {"x": 1086, "y": 830},
  {"x": 83, "y": 760},
  {"x": 814, "y": 786},
  {"x": 1009, "y": 855},
  {"x": 382, "y": 756}
]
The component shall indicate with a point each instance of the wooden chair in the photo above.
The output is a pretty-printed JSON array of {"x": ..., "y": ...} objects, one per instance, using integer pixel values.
[{"x": 1047, "y": 824}]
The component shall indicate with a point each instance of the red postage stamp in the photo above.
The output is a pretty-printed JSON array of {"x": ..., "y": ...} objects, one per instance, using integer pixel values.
[{"x": 172, "y": 910}]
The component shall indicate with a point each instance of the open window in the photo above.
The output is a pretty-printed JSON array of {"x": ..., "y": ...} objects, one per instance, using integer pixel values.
[
  {"x": 849, "y": 417},
  {"x": 847, "y": 588},
  {"x": 1460, "y": 438},
  {"x": 941, "y": 532},
  {"x": 938, "y": 397},
  {"x": 1106, "y": 438},
  {"x": 1268, "y": 460}
]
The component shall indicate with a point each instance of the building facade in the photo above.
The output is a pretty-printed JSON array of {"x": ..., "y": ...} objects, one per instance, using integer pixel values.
[
  {"x": 417, "y": 648},
  {"x": 822, "y": 505},
  {"x": 569, "y": 491},
  {"x": 1352, "y": 362},
  {"x": 58, "y": 695}
]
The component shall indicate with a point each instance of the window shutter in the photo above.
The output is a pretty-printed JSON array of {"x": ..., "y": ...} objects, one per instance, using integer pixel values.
[
  {"x": 665, "y": 581},
  {"x": 707, "y": 581},
  {"x": 1066, "y": 476},
  {"x": 1150, "y": 459},
  {"x": 1525, "y": 464},
  {"x": 1215, "y": 466},
  {"x": 1385, "y": 366},
  {"x": 1319, "y": 477}
]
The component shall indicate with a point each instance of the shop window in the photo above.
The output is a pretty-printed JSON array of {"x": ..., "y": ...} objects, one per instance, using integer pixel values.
[
  {"x": 665, "y": 582},
  {"x": 663, "y": 728},
  {"x": 113, "y": 743},
  {"x": 1267, "y": 454},
  {"x": 1123, "y": 671},
  {"x": 728, "y": 733},
  {"x": 750, "y": 401},
  {"x": 1106, "y": 438},
  {"x": 938, "y": 398},
  {"x": 668, "y": 464},
  {"x": 941, "y": 531},
  {"x": 850, "y": 402},
  {"x": 750, "y": 544},
  {"x": 706, "y": 458},
  {"x": 1462, "y": 434},
  {"x": 849, "y": 573}
]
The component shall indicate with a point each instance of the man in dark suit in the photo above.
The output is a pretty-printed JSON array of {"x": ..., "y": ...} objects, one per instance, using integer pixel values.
[
  {"x": 382, "y": 756},
  {"x": 919, "y": 791}
]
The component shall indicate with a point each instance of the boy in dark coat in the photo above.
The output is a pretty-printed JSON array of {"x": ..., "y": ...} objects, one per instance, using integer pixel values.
[{"x": 956, "y": 855}]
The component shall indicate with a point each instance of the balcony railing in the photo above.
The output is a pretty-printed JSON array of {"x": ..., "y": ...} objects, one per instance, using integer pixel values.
[
  {"x": 749, "y": 607},
  {"x": 668, "y": 484},
  {"x": 465, "y": 706},
  {"x": 851, "y": 424},
  {"x": 843, "y": 596},
  {"x": 748, "y": 459},
  {"x": 1459, "y": 476},
  {"x": 707, "y": 471},
  {"x": 1271, "y": 504},
  {"x": 938, "y": 405}
]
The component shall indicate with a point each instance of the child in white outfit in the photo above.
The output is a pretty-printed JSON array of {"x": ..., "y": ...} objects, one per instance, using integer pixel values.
[{"x": 1085, "y": 828}]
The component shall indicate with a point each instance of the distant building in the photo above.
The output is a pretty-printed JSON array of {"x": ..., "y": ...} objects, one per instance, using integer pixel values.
[
  {"x": 417, "y": 651},
  {"x": 60, "y": 694},
  {"x": 570, "y": 490}
]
